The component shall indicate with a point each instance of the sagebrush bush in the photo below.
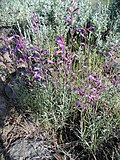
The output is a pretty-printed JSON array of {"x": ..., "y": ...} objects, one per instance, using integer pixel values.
[{"x": 51, "y": 17}]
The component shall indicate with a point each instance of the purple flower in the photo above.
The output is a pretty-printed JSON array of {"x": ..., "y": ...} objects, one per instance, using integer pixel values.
[
  {"x": 116, "y": 79},
  {"x": 102, "y": 88},
  {"x": 23, "y": 60},
  {"x": 80, "y": 29},
  {"x": 77, "y": 104},
  {"x": 93, "y": 89},
  {"x": 94, "y": 79},
  {"x": 60, "y": 41},
  {"x": 35, "y": 28},
  {"x": 4, "y": 49},
  {"x": 113, "y": 80},
  {"x": 12, "y": 37},
  {"x": 57, "y": 52},
  {"x": 19, "y": 45},
  {"x": 32, "y": 48},
  {"x": 2, "y": 39},
  {"x": 82, "y": 35},
  {"x": 79, "y": 91},
  {"x": 44, "y": 51},
  {"x": 65, "y": 57},
  {"x": 36, "y": 56},
  {"x": 37, "y": 76},
  {"x": 112, "y": 56},
  {"x": 59, "y": 62},
  {"x": 90, "y": 28},
  {"x": 84, "y": 108},
  {"x": 50, "y": 61},
  {"x": 105, "y": 65},
  {"x": 92, "y": 96},
  {"x": 36, "y": 68},
  {"x": 68, "y": 19}
]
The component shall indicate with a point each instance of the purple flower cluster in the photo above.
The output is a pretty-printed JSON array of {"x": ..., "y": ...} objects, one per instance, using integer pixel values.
[
  {"x": 111, "y": 67},
  {"x": 34, "y": 21},
  {"x": 23, "y": 54},
  {"x": 60, "y": 41},
  {"x": 83, "y": 32},
  {"x": 90, "y": 92},
  {"x": 71, "y": 11}
]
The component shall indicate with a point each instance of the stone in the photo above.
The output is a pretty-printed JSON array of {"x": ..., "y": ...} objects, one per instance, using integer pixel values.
[{"x": 9, "y": 92}]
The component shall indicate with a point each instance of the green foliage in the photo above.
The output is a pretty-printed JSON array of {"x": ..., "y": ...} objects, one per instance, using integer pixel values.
[
  {"x": 96, "y": 124},
  {"x": 47, "y": 104}
]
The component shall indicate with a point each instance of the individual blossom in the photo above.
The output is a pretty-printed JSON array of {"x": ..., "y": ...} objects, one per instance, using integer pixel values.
[
  {"x": 1, "y": 39},
  {"x": 116, "y": 79},
  {"x": 13, "y": 37},
  {"x": 36, "y": 68},
  {"x": 60, "y": 41},
  {"x": 4, "y": 49},
  {"x": 93, "y": 89},
  {"x": 65, "y": 57},
  {"x": 79, "y": 91},
  {"x": 23, "y": 61},
  {"x": 84, "y": 108},
  {"x": 81, "y": 31},
  {"x": 68, "y": 19},
  {"x": 33, "y": 48},
  {"x": 58, "y": 52},
  {"x": 78, "y": 103},
  {"x": 34, "y": 21},
  {"x": 37, "y": 76},
  {"x": 50, "y": 61},
  {"x": 44, "y": 51},
  {"x": 94, "y": 79},
  {"x": 92, "y": 96},
  {"x": 105, "y": 65},
  {"x": 90, "y": 28},
  {"x": 111, "y": 54},
  {"x": 19, "y": 45},
  {"x": 35, "y": 28},
  {"x": 36, "y": 57}
]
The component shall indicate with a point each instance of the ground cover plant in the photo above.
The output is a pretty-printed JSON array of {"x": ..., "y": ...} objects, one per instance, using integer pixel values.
[{"x": 67, "y": 74}]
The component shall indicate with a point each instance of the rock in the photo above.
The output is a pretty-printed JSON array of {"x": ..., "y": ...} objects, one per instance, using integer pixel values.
[
  {"x": 9, "y": 92},
  {"x": 30, "y": 149},
  {"x": 118, "y": 134},
  {"x": 3, "y": 109},
  {"x": 1, "y": 87}
]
